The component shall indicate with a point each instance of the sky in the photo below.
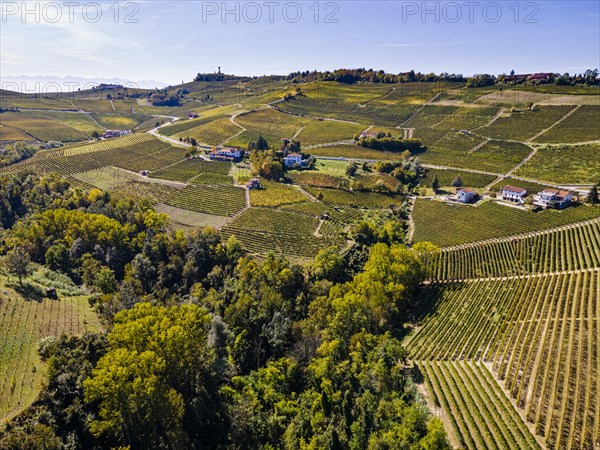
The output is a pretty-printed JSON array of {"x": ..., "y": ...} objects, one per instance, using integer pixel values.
[{"x": 171, "y": 41}]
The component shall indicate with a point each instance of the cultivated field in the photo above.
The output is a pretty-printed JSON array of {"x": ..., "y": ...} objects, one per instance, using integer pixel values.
[
  {"x": 464, "y": 224},
  {"x": 23, "y": 322}
]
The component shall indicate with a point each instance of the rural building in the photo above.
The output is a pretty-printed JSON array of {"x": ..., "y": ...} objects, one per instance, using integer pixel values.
[
  {"x": 253, "y": 183},
  {"x": 226, "y": 154},
  {"x": 514, "y": 194},
  {"x": 293, "y": 158},
  {"x": 465, "y": 195},
  {"x": 553, "y": 196},
  {"x": 115, "y": 133},
  {"x": 368, "y": 134}
]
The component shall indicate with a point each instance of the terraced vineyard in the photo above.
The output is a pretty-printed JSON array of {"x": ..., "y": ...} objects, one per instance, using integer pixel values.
[
  {"x": 23, "y": 322},
  {"x": 482, "y": 416},
  {"x": 190, "y": 168},
  {"x": 262, "y": 230},
  {"x": 573, "y": 247},
  {"x": 464, "y": 224},
  {"x": 538, "y": 333},
  {"x": 218, "y": 200}
]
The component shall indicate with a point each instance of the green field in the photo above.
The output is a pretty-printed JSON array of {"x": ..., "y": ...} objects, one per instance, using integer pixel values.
[
  {"x": 23, "y": 322},
  {"x": 355, "y": 198},
  {"x": 524, "y": 124},
  {"x": 183, "y": 125},
  {"x": 106, "y": 178},
  {"x": 446, "y": 177},
  {"x": 446, "y": 225},
  {"x": 271, "y": 122},
  {"x": 430, "y": 115},
  {"x": 190, "y": 168},
  {"x": 569, "y": 164},
  {"x": 321, "y": 132},
  {"x": 353, "y": 151},
  {"x": 467, "y": 118},
  {"x": 212, "y": 133},
  {"x": 218, "y": 200},
  {"x": 581, "y": 126},
  {"x": 537, "y": 335},
  {"x": 114, "y": 121},
  {"x": 275, "y": 194},
  {"x": 42, "y": 127}
]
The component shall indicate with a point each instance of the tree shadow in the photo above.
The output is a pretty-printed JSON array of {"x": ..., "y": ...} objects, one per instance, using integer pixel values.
[{"x": 29, "y": 291}]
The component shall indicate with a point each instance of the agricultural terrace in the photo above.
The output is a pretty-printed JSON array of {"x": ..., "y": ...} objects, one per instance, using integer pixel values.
[
  {"x": 571, "y": 247},
  {"x": 106, "y": 178},
  {"x": 321, "y": 132},
  {"x": 539, "y": 336},
  {"x": 356, "y": 198},
  {"x": 42, "y": 128},
  {"x": 212, "y": 133},
  {"x": 564, "y": 164},
  {"x": 219, "y": 200},
  {"x": 183, "y": 125},
  {"x": 462, "y": 224},
  {"x": 468, "y": 118},
  {"x": 23, "y": 322},
  {"x": 430, "y": 115},
  {"x": 352, "y": 151},
  {"x": 120, "y": 121},
  {"x": 271, "y": 122},
  {"x": 447, "y": 176},
  {"x": 480, "y": 415},
  {"x": 580, "y": 126},
  {"x": 191, "y": 168},
  {"x": 522, "y": 125},
  {"x": 275, "y": 194},
  {"x": 264, "y": 230}
]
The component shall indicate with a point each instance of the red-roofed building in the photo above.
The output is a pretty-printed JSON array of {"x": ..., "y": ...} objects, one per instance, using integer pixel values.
[
  {"x": 553, "y": 197},
  {"x": 465, "y": 195},
  {"x": 226, "y": 154},
  {"x": 514, "y": 194}
]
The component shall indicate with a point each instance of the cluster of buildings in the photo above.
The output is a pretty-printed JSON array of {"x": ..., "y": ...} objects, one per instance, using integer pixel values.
[
  {"x": 230, "y": 154},
  {"x": 548, "y": 197},
  {"x": 115, "y": 133},
  {"x": 542, "y": 76}
]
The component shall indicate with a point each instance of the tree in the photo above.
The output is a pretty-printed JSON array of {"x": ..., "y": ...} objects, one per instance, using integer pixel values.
[
  {"x": 261, "y": 143},
  {"x": 95, "y": 135},
  {"x": 458, "y": 182},
  {"x": 18, "y": 263},
  {"x": 435, "y": 184},
  {"x": 351, "y": 169},
  {"x": 592, "y": 197}
]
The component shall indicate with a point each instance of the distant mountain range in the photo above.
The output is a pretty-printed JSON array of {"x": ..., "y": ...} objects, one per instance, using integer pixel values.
[{"x": 48, "y": 83}]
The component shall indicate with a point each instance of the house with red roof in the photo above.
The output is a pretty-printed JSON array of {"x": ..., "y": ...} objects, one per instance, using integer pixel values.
[
  {"x": 553, "y": 198},
  {"x": 514, "y": 194}
]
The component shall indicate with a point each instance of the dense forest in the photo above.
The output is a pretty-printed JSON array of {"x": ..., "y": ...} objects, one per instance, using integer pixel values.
[{"x": 206, "y": 347}]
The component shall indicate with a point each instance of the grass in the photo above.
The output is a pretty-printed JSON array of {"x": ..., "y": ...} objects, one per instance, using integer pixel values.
[
  {"x": 524, "y": 124},
  {"x": 581, "y": 126},
  {"x": 315, "y": 178},
  {"x": 155, "y": 192},
  {"x": 272, "y": 122},
  {"x": 212, "y": 133},
  {"x": 446, "y": 225},
  {"x": 242, "y": 140},
  {"x": 355, "y": 198},
  {"x": 106, "y": 178},
  {"x": 23, "y": 322},
  {"x": 321, "y": 132},
  {"x": 275, "y": 194},
  {"x": 564, "y": 164}
]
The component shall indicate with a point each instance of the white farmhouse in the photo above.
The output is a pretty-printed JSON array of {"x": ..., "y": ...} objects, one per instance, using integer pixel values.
[
  {"x": 465, "y": 195},
  {"x": 547, "y": 196},
  {"x": 293, "y": 158},
  {"x": 514, "y": 194}
]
